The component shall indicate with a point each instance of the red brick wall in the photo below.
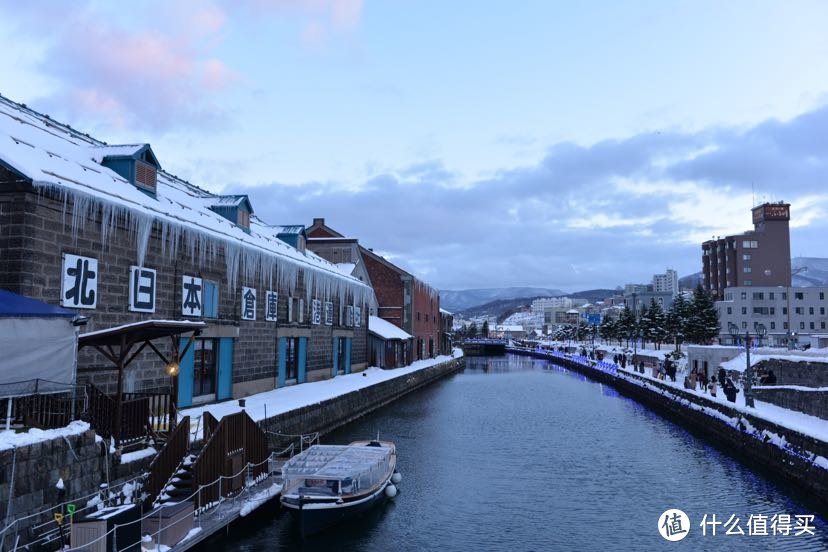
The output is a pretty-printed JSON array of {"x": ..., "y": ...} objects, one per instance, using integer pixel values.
[
  {"x": 388, "y": 287},
  {"x": 426, "y": 313}
]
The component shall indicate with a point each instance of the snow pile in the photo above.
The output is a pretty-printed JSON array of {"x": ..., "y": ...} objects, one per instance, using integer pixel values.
[
  {"x": 10, "y": 439},
  {"x": 739, "y": 363},
  {"x": 138, "y": 455}
]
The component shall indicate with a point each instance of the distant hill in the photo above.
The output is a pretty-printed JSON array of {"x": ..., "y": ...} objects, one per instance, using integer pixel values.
[
  {"x": 459, "y": 300},
  {"x": 593, "y": 295},
  {"x": 500, "y": 308},
  {"x": 807, "y": 272}
]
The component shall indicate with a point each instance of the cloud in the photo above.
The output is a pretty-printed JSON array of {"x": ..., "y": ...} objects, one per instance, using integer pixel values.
[
  {"x": 154, "y": 70},
  {"x": 581, "y": 217},
  {"x": 321, "y": 20}
]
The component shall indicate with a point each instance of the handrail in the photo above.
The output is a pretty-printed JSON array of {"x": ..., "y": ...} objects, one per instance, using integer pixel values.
[{"x": 163, "y": 466}]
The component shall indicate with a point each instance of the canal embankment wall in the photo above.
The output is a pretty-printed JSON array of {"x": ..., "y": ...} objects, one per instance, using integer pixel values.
[
  {"x": 39, "y": 478},
  {"x": 787, "y": 455},
  {"x": 328, "y": 415}
]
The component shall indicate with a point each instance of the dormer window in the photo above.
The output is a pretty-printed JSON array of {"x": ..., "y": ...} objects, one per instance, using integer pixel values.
[
  {"x": 294, "y": 236},
  {"x": 235, "y": 208},
  {"x": 135, "y": 162}
]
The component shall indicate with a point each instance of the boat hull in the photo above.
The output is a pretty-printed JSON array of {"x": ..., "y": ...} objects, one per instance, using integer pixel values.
[{"x": 315, "y": 516}]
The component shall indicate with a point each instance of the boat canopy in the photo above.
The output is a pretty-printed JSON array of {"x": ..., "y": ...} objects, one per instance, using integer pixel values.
[{"x": 336, "y": 462}]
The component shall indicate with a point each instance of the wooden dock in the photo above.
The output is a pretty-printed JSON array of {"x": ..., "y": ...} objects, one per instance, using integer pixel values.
[{"x": 229, "y": 510}]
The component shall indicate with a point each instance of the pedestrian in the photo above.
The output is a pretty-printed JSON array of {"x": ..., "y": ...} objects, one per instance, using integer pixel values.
[
  {"x": 730, "y": 390},
  {"x": 722, "y": 375},
  {"x": 690, "y": 380},
  {"x": 712, "y": 386},
  {"x": 703, "y": 381}
]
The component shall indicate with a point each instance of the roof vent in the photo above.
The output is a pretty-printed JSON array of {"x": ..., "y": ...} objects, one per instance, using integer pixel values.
[
  {"x": 235, "y": 208},
  {"x": 135, "y": 162}
]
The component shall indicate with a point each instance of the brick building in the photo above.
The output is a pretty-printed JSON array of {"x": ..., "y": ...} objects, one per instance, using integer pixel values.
[
  {"x": 402, "y": 299},
  {"x": 104, "y": 231},
  {"x": 760, "y": 257}
]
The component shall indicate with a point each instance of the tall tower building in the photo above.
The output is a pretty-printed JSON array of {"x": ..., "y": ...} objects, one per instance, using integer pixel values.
[{"x": 760, "y": 257}]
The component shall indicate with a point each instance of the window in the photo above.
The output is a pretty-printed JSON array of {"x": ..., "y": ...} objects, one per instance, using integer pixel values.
[
  {"x": 812, "y": 325},
  {"x": 784, "y": 325},
  {"x": 744, "y": 295},
  {"x": 211, "y": 299},
  {"x": 748, "y": 282},
  {"x": 810, "y": 310},
  {"x": 750, "y": 244},
  {"x": 744, "y": 325},
  {"x": 747, "y": 269},
  {"x": 802, "y": 325},
  {"x": 799, "y": 295},
  {"x": 145, "y": 176},
  {"x": 822, "y": 325},
  {"x": 784, "y": 310},
  {"x": 758, "y": 296},
  {"x": 822, "y": 310},
  {"x": 770, "y": 296},
  {"x": 761, "y": 310},
  {"x": 418, "y": 317},
  {"x": 822, "y": 296},
  {"x": 746, "y": 257},
  {"x": 296, "y": 307},
  {"x": 772, "y": 311},
  {"x": 729, "y": 310},
  {"x": 204, "y": 366},
  {"x": 773, "y": 325},
  {"x": 784, "y": 295},
  {"x": 744, "y": 310},
  {"x": 799, "y": 310}
]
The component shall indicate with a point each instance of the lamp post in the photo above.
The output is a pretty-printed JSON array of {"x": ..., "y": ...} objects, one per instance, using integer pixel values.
[{"x": 759, "y": 332}]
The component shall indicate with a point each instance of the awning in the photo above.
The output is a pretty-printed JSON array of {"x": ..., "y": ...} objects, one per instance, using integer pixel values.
[
  {"x": 146, "y": 330},
  {"x": 12, "y": 304}
]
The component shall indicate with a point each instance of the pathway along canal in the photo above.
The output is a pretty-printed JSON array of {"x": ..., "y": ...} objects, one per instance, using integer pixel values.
[{"x": 517, "y": 454}]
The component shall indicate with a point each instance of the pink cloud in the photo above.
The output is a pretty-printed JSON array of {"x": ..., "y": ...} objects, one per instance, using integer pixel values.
[
  {"x": 321, "y": 19},
  {"x": 132, "y": 74}
]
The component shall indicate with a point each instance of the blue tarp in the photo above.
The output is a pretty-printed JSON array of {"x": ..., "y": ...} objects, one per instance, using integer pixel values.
[{"x": 12, "y": 304}]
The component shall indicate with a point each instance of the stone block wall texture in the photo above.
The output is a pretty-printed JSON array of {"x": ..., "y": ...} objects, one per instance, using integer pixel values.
[
  {"x": 807, "y": 374},
  {"x": 35, "y": 231},
  {"x": 814, "y": 403}
]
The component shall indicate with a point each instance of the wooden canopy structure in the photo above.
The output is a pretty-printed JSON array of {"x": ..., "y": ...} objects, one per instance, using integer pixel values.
[{"x": 122, "y": 344}]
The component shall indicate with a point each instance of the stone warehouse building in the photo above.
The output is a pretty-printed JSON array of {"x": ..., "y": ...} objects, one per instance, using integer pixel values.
[
  {"x": 103, "y": 230},
  {"x": 402, "y": 298}
]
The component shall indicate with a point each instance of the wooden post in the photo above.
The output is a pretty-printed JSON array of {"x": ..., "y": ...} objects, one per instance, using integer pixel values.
[{"x": 119, "y": 396}]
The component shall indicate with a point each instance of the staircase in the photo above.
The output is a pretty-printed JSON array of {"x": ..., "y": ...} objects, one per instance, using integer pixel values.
[{"x": 180, "y": 485}]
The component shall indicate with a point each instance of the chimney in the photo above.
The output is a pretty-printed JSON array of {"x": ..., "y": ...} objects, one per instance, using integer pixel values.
[{"x": 319, "y": 222}]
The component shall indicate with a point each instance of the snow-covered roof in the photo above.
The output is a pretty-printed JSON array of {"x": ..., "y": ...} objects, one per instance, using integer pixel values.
[
  {"x": 346, "y": 268},
  {"x": 291, "y": 229},
  {"x": 58, "y": 158},
  {"x": 385, "y": 329},
  {"x": 230, "y": 200},
  {"x": 122, "y": 150},
  {"x": 444, "y": 311},
  {"x": 507, "y": 328},
  {"x": 739, "y": 363}
]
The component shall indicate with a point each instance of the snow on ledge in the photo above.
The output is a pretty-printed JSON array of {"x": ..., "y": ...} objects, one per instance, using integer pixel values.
[
  {"x": 11, "y": 439},
  {"x": 385, "y": 329},
  {"x": 138, "y": 455}
]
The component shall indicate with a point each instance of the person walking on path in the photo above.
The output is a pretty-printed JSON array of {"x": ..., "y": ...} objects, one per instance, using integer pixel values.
[{"x": 712, "y": 386}]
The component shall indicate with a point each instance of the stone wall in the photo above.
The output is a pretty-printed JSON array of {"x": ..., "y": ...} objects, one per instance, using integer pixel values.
[
  {"x": 811, "y": 402},
  {"x": 35, "y": 232},
  {"x": 79, "y": 460},
  {"x": 808, "y": 374}
]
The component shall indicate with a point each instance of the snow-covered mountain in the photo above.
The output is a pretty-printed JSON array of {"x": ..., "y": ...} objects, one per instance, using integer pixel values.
[
  {"x": 807, "y": 272},
  {"x": 458, "y": 300}
]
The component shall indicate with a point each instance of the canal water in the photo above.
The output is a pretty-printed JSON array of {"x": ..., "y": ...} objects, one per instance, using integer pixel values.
[{"x": 517, "y": 454}]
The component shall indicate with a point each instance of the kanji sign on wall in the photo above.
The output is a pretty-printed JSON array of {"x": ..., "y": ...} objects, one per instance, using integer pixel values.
[
  {"x": 192, "y": 296},
  {"x": 79, "y": 284},
  {"x": 248, "y": 303},
  {"x": 328, "y": 313},
  {"x": 357, "y": 317},
  {"x": 316, "y": 312},
  {"x": 141, "y": 289},
  {"x": 271, "y": 306}
]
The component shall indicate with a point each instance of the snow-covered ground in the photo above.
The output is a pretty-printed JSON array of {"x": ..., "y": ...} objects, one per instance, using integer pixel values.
[{"x": 285, "y": 399}]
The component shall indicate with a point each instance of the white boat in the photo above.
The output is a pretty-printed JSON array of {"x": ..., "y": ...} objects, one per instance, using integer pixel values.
[{"x": 327, "y": 484}]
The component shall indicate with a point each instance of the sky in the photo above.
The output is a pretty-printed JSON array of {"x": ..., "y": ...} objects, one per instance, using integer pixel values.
[{"x": 568, "y": 145}]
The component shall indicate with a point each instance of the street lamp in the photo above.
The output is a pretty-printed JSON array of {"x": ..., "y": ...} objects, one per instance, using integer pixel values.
[{"x": 760, "y": 331}]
